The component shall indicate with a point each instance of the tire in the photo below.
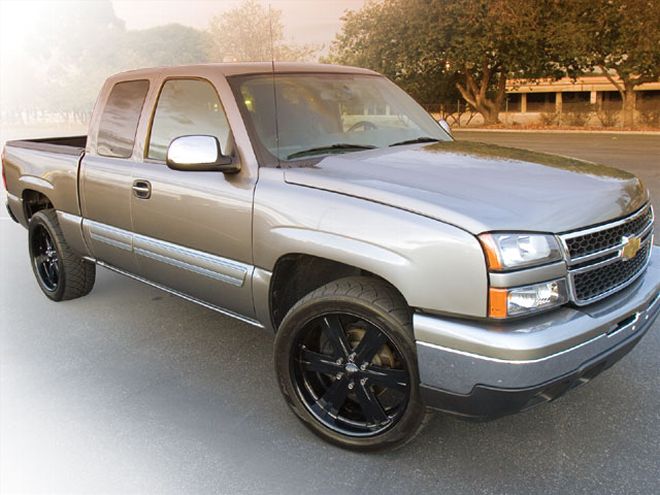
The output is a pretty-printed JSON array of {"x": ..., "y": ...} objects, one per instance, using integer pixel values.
[
  {"x": 356, "y": 330},
  {"x": 60, "y": 272}
]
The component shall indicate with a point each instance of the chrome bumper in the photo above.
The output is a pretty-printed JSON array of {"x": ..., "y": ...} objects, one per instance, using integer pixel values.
[{"x": 457, "y": 355}]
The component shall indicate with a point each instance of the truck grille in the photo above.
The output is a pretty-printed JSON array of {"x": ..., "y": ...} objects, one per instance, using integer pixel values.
[
  {"x": 598, "y": 281},
  {"x": 598, "y": 265},
  {"x": 602, "y": 239}
]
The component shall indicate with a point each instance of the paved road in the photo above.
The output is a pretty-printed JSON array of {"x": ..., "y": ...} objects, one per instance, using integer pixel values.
[{"x": 132, "y": 390}]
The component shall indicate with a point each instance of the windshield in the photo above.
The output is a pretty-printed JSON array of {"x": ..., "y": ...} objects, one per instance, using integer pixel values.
[{"x": 328, "y": 113}]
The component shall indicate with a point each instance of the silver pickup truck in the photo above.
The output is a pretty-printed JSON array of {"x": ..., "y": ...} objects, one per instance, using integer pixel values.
[{"x": 399, "y": 269}]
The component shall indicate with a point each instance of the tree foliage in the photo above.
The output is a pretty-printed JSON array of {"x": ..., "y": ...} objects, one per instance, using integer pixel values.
[
  {"x": 438, "y": 50},
  {"x": 487, "y": 42},
  {"x": 67, "y": 48},
  {"x": 73, "y": 50},
  {"x": 172, "y": 44},
  {"x": 385, "y": 37},
  {"x": 480, "y": 44},
  {"x": 253, "y": 32},
  {"x": 75, "y": 46},
  {"x": 475, "y": 45},
  {"x": 620, "y": 38}
]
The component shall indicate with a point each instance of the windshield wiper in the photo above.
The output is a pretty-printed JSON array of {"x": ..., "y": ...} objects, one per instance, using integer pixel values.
[
  {"x": 329, "y": 149},
  {"x": 422, "y": 139}
]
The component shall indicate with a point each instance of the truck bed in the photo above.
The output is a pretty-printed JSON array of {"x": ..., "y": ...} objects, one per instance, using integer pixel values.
[
  {"x": 70, "y": 145},
  {"x": 46, "y": 166}
]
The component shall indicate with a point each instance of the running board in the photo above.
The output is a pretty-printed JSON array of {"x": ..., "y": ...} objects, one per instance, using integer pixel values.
[{"x": 212, "y": 307}]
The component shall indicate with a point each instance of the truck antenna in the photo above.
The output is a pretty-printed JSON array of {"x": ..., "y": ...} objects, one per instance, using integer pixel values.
[{"x": 272, "y": 67}]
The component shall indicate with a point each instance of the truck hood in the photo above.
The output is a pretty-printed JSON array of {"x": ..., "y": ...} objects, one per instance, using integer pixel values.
[{"x": 480, "y": 187}]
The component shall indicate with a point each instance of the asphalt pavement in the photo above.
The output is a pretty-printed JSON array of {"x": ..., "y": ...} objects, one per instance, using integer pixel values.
[{"x": 131, "y": 390}]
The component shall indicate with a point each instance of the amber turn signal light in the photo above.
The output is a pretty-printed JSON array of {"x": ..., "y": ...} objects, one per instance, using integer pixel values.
[
  {"x": 497, "y": 303},
  {"x": 490, "y": 249}
]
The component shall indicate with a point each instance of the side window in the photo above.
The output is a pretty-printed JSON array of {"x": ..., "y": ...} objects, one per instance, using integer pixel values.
[
  {"x": 186, "y": 107},
  {"x": 120, "y": 117}
]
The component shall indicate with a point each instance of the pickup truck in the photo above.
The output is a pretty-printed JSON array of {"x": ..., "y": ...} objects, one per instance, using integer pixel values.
[{"x": 400, "y": 270}]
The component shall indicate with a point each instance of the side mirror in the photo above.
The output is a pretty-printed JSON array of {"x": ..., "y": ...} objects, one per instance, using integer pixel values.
[
  {"x": 199, "y": 154},
  {"x": 445, "y": 125}
]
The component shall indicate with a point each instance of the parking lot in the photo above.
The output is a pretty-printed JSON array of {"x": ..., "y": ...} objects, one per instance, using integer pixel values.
[{"x": 130, "y": 389}]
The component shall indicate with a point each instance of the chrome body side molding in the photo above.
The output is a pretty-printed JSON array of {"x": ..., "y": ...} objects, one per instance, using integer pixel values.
[
  {"x": 112, "y": 236},
  {"x": 215, "y": 267}
]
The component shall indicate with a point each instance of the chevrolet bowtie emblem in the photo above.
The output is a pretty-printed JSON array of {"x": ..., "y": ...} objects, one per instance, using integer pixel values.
[{"x": 631, "y": 246}]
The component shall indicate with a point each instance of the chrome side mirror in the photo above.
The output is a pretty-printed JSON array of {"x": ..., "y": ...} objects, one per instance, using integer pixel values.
[
  {"x": 199, "y": 153},
  {"x": 445, "y": 125}
]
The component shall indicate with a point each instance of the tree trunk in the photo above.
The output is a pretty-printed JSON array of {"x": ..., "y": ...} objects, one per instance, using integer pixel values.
[
  {"x": 475, "y": 94},
  {"x": 627, "y": 92},
  {"x": 488, "y": 108},
  {"x": 491, "y": 116},
  {"x": 629, "y": 106}
]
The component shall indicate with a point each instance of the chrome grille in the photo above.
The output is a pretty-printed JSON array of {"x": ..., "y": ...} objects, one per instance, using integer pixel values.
[
  {"x": 609, "y": 237},
  {"x": 600, "y": 280},
  {"x": 596, "y": 266}
]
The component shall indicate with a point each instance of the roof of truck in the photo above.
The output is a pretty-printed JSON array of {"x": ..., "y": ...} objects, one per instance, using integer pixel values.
[{"x": 232, "y": 69}]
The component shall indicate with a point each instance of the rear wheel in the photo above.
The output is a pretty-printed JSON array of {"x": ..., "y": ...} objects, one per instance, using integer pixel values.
[
  {"x": 346, "y": 363},
  {"x": 60, "y": 272}
]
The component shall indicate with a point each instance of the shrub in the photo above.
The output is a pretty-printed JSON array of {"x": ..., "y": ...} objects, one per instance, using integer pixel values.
[
  {"x": 608, "y": 117},
  {"x": 649, "y": 114},
  {"x": 549, "y": 118},
  {"x": 578, "y": 114}
]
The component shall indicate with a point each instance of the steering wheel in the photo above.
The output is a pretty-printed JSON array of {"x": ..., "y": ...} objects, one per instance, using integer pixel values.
[{"x": 368, "y": 126}]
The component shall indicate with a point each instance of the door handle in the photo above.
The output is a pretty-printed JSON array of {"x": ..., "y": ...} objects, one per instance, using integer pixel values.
[{"x": 142, "y": 189}]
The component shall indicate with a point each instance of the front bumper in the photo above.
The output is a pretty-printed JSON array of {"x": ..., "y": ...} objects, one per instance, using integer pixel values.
[{"x": 488, "y": 369}]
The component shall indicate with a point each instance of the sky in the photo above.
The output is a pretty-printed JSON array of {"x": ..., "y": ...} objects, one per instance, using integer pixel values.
[
  {"x": 313, "y": 22},
  {"x": 305, "y": 21}
]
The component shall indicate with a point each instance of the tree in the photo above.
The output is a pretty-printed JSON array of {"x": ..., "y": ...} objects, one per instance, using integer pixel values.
[
  {"x": 621, "y": 38},
  {"x": 172, "y": 44},
  {"x": 253, "y": 33},
  {"x": 475, "y": 44},
  {"x": 385, "y": 37},
  {"x": 73, "y": 48},
  {"x": 487, "y": 42}
]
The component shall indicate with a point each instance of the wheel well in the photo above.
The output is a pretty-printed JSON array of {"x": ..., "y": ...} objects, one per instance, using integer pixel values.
[
  {"x": 33, "y": 201},
  {"x": 296, "y": 275}
]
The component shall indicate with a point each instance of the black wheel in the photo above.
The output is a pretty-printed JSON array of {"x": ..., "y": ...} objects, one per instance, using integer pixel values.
[
  {"x": 346, "y": 364},
  {"x": 60, "y": 272}
]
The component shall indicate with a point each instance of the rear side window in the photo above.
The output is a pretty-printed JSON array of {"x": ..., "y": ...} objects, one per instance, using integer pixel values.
[
  {"x": 120, "y": 118},
  {"x": 187, "y": 107}
]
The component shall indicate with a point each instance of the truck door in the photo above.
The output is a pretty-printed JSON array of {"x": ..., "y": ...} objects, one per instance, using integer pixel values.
[
  {"x": 106, "y": 184},
  {"x": 193, "y": 229}
]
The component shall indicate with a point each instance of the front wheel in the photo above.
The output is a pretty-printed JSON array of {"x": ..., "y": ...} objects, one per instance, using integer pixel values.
[{"x": 346, "y": 364}]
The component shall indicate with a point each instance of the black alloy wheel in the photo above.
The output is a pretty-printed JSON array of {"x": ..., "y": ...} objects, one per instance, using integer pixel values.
[
  {"x": 350, "y": 375},
  {"x": 346, "y": 362},
  {"x": 61, "y": 272},
  {"x": 46, "y": 261}
]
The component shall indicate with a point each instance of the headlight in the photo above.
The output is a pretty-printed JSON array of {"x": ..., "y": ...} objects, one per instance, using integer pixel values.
[
  {"x": 508, "y": 251},
  {"x": 529, "y": 299}
]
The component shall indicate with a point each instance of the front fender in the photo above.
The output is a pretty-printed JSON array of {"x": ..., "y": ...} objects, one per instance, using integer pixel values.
[{"x": 435, "y": 266}]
